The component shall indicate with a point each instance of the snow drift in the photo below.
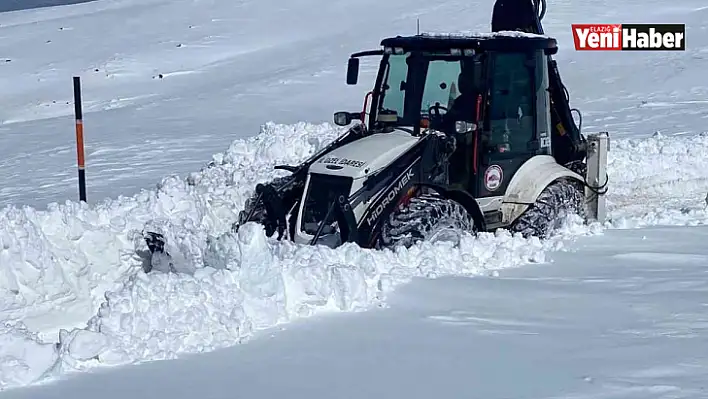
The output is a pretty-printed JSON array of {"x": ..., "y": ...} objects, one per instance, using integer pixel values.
[
  {"x": 74, "y": 263},
  {"x": 58, "y": 264},
  {"x": 658, "y": 180}
]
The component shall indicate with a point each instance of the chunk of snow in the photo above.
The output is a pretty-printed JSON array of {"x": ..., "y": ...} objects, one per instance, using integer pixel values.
[{"x": 24, "y": 358}]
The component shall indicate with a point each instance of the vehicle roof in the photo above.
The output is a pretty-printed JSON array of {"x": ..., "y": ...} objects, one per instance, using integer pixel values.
[{"x": 496, "y": 41}]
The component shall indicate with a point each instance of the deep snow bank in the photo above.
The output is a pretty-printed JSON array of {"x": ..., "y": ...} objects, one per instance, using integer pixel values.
[
  {"x": 56, "y": 265},
  {"x": 59, "y": 263},
  {"x": 73, "y": 252},
  {"x": 257, "y": 283},
  {"x": 254, "y": 283},
  {"x": 658, "y": 180}
]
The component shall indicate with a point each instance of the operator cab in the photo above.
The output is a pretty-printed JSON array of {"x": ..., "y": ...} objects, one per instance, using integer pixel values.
[{"x": 489, "y": 91}]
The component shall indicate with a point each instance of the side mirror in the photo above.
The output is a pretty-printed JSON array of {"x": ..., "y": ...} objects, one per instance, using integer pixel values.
[
  {"x": 344, "y": 118},
  {"x": 353, "y": 71}
]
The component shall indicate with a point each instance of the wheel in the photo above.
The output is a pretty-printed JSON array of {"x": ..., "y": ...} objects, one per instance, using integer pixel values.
[
  {"x": 578, "y": 167},
  {"x": 426, "y": 217},
  {"x": 558, "y": 200}
]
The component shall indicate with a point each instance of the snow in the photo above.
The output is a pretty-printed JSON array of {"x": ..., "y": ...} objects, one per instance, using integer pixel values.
[
  {"x": 62, "y": 260},
  {"x": 622, "y": 315},
  {"x": 139, "y": 127},
  {"x": 235, "y": 284},
  {"x": 268, "y": 284},
  {"x": 74, "y": 297},
  {"x": 24, "y": 357},
  {"x": 483, "y": 35},
  {"x": 250, "y": 283}
]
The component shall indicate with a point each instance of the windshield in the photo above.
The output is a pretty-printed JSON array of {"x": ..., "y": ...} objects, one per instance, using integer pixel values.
[{"x": 408, "y": 75}]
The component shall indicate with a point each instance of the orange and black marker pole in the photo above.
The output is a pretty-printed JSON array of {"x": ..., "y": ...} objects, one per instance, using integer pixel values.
[{"x": 79, "y": 138}]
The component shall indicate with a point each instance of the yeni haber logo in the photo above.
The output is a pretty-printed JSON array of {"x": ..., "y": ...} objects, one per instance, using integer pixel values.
[{"x": 660, "y": 37}]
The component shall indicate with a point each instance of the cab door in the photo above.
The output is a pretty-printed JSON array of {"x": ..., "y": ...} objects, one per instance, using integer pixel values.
[{"x": 508, "y": 137}]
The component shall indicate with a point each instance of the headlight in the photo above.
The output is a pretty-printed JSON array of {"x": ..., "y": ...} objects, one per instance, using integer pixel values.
[{"x": 464, "y": 127}]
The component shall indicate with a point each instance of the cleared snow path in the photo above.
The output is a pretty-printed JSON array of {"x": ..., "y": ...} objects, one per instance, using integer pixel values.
[{"x": 623, "y": 316}]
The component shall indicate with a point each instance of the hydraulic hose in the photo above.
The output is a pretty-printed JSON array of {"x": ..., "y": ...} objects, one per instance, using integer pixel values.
[{"x": 541, "y": 9}]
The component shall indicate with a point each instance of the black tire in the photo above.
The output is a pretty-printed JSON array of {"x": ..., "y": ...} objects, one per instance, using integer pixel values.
[
  {"x": 558, "y": 200},
  {"x": 578, "y": 167},
  {"x": 425, "y": 217}
]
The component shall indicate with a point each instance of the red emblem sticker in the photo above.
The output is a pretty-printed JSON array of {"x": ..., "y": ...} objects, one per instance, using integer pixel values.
[{"x": 493, "y": 177}]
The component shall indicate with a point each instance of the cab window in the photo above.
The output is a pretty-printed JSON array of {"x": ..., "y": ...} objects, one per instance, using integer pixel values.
[{"x": 511, "y": 118}]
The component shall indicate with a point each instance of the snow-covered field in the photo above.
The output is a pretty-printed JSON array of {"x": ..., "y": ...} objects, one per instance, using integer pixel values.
[
  {"x": 72, "y": 292},
  {"x": 230, "y": 66}
]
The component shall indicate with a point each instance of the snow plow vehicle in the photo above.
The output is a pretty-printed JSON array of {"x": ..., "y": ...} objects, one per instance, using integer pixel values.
[{"x": 461, "y": 132}]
